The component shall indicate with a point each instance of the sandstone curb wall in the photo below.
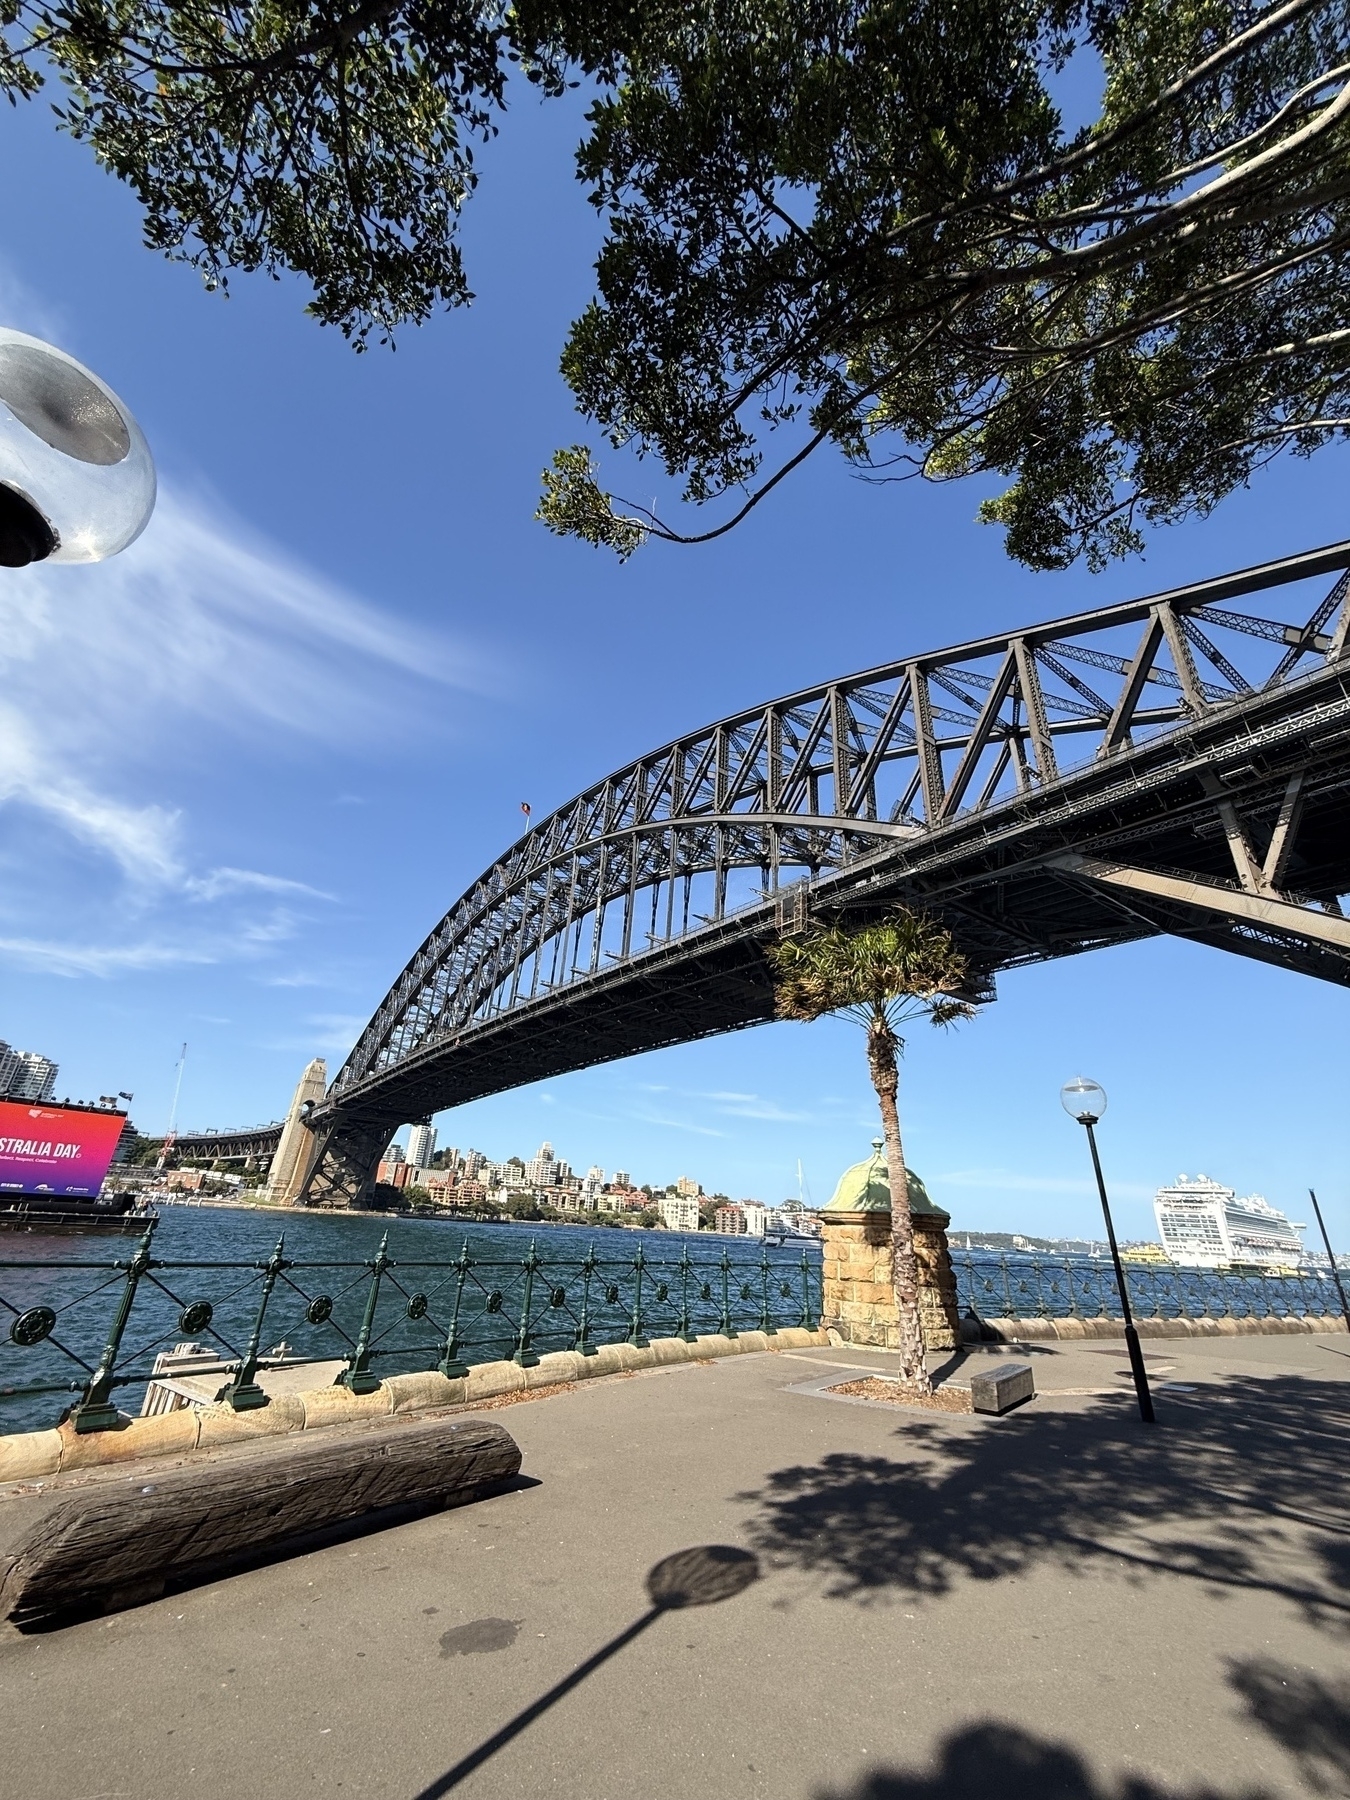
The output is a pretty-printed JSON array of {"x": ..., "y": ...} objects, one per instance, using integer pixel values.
[
  {"x": 1068, "y": 1331},
  {"x": 29, "y": 1454}
]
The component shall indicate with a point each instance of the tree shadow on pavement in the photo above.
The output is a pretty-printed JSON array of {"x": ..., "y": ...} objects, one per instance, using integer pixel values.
[
  {"x": 1013, "y": 1764},
  {"x": 1241, "y": 1485},
  {"x": 1308, "y": 1716}
]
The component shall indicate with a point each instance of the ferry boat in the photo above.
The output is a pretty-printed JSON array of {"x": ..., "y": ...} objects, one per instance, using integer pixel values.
[
  {"x": 59, "y": 1213},
  {"x": 1205, "y": 1225},
  {"x": 1151, "y": 1255}
]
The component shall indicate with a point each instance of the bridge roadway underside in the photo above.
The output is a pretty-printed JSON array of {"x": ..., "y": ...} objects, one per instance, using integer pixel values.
[{"x": 1037, "y": 878}]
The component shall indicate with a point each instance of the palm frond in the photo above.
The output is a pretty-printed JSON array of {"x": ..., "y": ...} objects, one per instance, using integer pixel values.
[{"x": 901, "y": 967}]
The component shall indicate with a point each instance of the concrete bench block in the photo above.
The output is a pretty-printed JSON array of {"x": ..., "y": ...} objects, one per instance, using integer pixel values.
[{"x": 999, "y": 1389}]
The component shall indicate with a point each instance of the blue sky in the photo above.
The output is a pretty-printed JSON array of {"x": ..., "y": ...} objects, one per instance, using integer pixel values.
[{"x": 247, "y": 765}]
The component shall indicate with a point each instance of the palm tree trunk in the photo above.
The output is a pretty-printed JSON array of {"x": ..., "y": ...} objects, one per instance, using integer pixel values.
[{"x": 881, "y": 1048}]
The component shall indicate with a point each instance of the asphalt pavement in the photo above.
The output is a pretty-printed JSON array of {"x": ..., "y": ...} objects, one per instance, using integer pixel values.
[{"x": 886, "y": 1604}]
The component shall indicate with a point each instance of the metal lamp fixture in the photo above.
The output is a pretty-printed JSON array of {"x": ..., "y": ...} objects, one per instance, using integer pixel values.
[
  {"x": 1085, "y": 1101},
  {"x": 77, "y": 481}
]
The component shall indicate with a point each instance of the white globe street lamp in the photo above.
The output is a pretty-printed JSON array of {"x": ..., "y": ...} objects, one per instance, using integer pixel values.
[
  {"x": 1085, "y": 1101},
  {"x": 77, "y": 481}
]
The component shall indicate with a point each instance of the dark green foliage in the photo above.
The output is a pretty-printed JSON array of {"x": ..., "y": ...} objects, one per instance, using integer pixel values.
[
  {"x": 385, "y": 1197},
  {"x": 867, "y": 224},
  {"x": 142, "y": 1151},
  {"x": 525, "y": 1206},
  {"x": 312, "y": 135},
  {"x": 853, "y": 222}
]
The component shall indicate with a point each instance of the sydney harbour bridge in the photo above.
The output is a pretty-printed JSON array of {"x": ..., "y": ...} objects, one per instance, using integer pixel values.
[{"x": 1174, "y": 764}]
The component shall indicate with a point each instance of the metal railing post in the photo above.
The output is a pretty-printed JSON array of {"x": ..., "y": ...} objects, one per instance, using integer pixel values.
[
  {"x": 1074, "y": 1312},
  {"x": 806, "y": 1321},
  {"x": 1207, "y": 1300},
  {"x": 684, "y": 1333},
  {"x": 243, "y": 1394},
  {"x": 94, "y": 1411},
  {"x": 359, "y": 1376},
  {"x": 525, "y": 1357},
  {"x": 451, "y": 1365},
  {"x": 635, "y": 1337},
  {"x": 728, "y": 1330},
  {"x": 766, "y": 1324},
  {"x": 583, "y": 1342}
]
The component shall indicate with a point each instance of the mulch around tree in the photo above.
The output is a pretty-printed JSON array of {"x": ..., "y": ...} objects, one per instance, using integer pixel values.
[{"x": 871, "y": 1387}]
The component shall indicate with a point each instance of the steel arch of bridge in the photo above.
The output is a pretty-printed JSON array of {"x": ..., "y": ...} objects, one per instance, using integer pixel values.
[{"x": 1170, "y": 764}]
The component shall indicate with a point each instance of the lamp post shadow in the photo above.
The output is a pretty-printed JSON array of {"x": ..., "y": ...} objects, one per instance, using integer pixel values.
[{"x": 702, "y": 1576}]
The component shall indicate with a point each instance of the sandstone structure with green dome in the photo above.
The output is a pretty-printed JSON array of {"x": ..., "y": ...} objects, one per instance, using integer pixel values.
[{"x": 859, "y": 1292}]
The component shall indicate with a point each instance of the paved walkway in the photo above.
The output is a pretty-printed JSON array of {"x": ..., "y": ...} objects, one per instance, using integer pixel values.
[{"x": 1058, "y": 1605}]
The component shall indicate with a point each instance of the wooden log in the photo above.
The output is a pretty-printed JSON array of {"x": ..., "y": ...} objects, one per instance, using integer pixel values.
[
  {"x": 998, "y": 1390},
  {"x": 103, "y": 1546}
]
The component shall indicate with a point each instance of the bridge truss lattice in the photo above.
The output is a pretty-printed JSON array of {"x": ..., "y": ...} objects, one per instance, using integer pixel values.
[{"x": 1177, "y": 763}]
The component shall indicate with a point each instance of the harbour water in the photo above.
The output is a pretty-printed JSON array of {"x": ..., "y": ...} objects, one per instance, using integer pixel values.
[
  {"x": 493, "y": 1289},
  {"x": 306, "y": 1284}
]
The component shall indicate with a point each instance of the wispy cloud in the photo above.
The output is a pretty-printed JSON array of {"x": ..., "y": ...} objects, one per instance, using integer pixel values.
[
  {"x": 751, "y": 1106},
  {"x": 50, "y": 958},
  {"x": 140, "y": 839},
  {"x": 201, "y": 631},
  {"x": 203, "y": 619},
  {"x": 677, "y": 1124},
  {"x": 243, "y": 881},
  {"x": 1010, "y": 1181},
  {"x": 729, "y": 1103},
  {"x": 23, "y": 309},
  {"x": 331, "y": 1033}
]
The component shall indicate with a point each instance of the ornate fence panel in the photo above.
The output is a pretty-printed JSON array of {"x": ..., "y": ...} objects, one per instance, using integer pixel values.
[
  {"x": 1080, "y": 1287},
  {"x": 86, "y": 1335}
]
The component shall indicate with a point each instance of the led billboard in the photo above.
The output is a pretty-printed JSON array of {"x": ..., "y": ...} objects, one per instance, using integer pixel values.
[{"x": 55, "y": 1149}]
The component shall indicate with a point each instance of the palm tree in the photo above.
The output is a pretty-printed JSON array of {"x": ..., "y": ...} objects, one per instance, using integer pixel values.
[{"x": 903, "y": 967}]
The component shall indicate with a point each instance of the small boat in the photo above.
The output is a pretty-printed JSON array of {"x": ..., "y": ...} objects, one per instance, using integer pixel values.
[
  {"x": 779, "y": 1235},
  {"x": 59, "y": 1213}
]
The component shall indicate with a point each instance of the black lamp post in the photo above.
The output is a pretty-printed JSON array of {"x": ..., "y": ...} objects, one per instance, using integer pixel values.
[
  {"x": 1085, "y": 1101},
  {"x": 1331, "y": 1258}
]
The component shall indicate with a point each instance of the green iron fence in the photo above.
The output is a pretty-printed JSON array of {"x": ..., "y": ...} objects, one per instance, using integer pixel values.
[
  {"x": 1041, "y": 1287},
  {"x": 92, "y": 1331}
]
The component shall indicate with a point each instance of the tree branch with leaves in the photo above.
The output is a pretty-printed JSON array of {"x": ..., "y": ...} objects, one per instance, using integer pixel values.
[
  {"x": 869, "y": 226},
  {"x": 863, "y": 224}
]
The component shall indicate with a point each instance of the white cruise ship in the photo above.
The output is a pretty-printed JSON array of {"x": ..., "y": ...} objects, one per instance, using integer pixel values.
[{"x": 1204, "y": 1225}]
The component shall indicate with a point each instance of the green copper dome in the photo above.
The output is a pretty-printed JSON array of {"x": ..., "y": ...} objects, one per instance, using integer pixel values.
[{"x": 866, "y": 1187}]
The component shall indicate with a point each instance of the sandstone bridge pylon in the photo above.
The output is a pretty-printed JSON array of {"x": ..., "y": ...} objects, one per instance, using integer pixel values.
[{"x": 1174, "y": 764}]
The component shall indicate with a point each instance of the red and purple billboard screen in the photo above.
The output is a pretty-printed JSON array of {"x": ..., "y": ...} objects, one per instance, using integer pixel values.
[{"x": 55, "y": 1149}]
